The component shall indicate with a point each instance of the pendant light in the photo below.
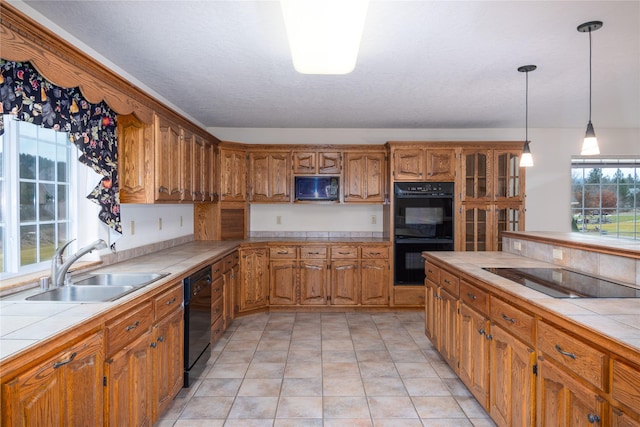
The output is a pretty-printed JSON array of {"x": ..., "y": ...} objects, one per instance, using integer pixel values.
[
  {"x": 526, "y": 160},
  {"x": 590, "y": 144}
]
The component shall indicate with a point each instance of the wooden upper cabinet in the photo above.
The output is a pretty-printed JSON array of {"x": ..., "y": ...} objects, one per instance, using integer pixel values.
[
  {"x": 233, "y": 175},
  {"x": 317, "y": 162},
  {"x": 508, "y": 176},
  {"x": 270, "y": 178},
  {"x": 424, "y": 164},
  {"x": 135, "y": 160},
  {"x": 205, "y": 171},
  {"x": 168, "y": 140},
  {"x": 186, "y": 166},
  {"x": 476, "y": 175},
  {"x": 364, "y": 177}
]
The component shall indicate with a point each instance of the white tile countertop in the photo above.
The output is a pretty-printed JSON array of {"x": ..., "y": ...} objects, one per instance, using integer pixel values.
[{"x": 617, "y": 319}]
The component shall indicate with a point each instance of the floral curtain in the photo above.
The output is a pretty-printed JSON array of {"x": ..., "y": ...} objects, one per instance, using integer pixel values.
[{"x": 92, "y": 127}]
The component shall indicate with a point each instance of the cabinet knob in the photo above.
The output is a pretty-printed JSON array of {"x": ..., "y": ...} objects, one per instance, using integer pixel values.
[{"x": 593, "y": 418}]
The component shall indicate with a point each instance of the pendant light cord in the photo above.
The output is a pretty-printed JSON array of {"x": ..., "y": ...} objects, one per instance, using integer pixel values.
[
  {"x": 526, "y": 109},
  {"x": 590, "y": 75}
]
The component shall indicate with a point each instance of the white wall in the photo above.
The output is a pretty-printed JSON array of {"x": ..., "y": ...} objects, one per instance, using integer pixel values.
[
  {"x": 548, "y": 183},
  {"x": 177, "y": 221}
]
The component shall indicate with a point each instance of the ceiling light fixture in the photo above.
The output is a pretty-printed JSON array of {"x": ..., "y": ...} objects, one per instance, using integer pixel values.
[
  {"x": 324, "y": 35},
  {"x": 590, "y": 144},
  {"x": 526, "y": 160}
]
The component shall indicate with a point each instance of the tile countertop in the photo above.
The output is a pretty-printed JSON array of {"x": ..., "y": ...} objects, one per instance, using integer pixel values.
[
  {"x": 616, "y": 318},
  {"x": 24, "y": 324}
]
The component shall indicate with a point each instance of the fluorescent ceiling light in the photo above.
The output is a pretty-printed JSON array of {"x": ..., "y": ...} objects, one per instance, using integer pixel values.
[{"x": 324, "y": 35}]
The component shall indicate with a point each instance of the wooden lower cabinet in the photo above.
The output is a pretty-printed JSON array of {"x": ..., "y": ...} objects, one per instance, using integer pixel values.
[
  {"x": 374, "y": 282},
  {"x": 430, "y": 311},
  {"x": 345, "y": 282},
  {"x": 313, "y": 282},
  {"x": 474, "y": 353},
  {"x": 63, "y": 390},
  {"x": 128, "y": 375},
  {"x": 563, "y": 401},
  {"x": 168, "y": 366},
  {"x": 253, "y": 292},
  {"x": 512, "y": 380},
  {"x": 448, "y": 327},
  {"x": 625, "y": 394},
  {"x": 283, "y": 282}
]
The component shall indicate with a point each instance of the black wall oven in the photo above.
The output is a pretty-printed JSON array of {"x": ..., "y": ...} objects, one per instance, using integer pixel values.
[
  {"x": 197, "y": 322},
  {"x": 423, "y": 221}
]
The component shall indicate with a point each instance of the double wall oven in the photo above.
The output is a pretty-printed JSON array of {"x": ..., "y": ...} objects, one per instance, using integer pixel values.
[{"x": 423, "y": 221}]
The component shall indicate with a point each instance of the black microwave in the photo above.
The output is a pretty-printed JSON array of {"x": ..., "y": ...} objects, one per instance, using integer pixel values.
[{"x": 325, "y": 188}]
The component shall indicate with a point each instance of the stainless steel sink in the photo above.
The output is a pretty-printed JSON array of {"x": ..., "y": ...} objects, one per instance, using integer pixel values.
[
  {"x": 120, "y": 279},
  {"x": 84, "y": 293}
]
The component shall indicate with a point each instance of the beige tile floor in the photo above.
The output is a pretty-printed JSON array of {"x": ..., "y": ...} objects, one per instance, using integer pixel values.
[{"x": 329, "y": 369}]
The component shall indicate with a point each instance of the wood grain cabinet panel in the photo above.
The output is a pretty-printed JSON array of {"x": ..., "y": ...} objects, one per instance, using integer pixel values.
[
  {"x": 474, "y": 353},
  {"x": 269, "y": 177},
  {"x": 254, "y": 279},
  {"x": 625, "y": 390},
  {"x": 364, "y": 177},
  {"x": 313, "y": 282},
  {"x": 63, "y": 390},
  {"x": 308, "y": 162},
  {"x": 374, "y": 282},
  {"x": 513, "y": 320},
  {"x": 233, "y": 175},
  {"x": 167, "y": 358}
]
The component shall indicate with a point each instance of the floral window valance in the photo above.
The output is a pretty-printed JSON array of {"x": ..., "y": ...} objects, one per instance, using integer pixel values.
[{"x": 92, "y": 127}]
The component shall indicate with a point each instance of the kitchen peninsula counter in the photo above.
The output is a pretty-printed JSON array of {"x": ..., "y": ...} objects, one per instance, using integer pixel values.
[{"x": 614, "y": 320}]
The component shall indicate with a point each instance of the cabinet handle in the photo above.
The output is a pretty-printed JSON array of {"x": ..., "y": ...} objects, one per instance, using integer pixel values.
[
  {"x": 171, "y": 301},
  {"x": 472, "y": 296},
  {"x": 197, "y": 290},
  {"x": 481, "y": 331},
  {"x": 429, "y": 271},
  {"x": 160, "y": 338},
  {"x": 593, "y": 418},
  {"x": 283, "y": 252},
  {"x": 163, "y": 189},
  {"x": 132, "y": 327},
  {"x": 565, "y": 353},
  {"x": 313, "y": 253},
  {"x": 64, "y": 362},
  {"x": 508, "y": 319},
  {"x": 216, "y": 290},
  {"x": 153, "y": 345},
  {"x": 489, "y": 337},
  {"x": 447, "y": 281}
]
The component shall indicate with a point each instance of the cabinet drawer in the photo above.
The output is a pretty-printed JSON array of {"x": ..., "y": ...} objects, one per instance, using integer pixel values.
[
  {"x": 625, "y": 387},
  {"x": 282, "y": 252},
  {"x": 375, "y": 252},
  {"x": 216, "y": 309},
  {"x": 513, "y": 320},
  {"x": 450, "y": 282},
  {"x": 474, "y": 297},
  {"x": 216, "y": 288},
  {"x": 409, "y": 296},
  {"x": 230, "y": 260},
  {"x": 217, "y": 269},
  {"x": 313, "y": 252},
  {"x": 344, "y": 252},
  {"x": 128, "y": 327},
  {"x": 572, "y": 354},
  {"x": 432, "y": 272},
  {"x": 168, "y": 301},
  {"x": 217, "y": 329}
]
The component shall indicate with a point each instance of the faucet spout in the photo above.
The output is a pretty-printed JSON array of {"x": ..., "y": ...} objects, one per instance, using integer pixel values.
[{"x": 61, "y": 271}]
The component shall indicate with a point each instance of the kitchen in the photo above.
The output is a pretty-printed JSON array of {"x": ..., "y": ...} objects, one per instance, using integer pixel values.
[{"x": 544, "y": 205}]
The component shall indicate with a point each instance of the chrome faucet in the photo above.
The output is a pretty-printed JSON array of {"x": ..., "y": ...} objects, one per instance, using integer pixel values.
[{"x": 59, "y": 269}]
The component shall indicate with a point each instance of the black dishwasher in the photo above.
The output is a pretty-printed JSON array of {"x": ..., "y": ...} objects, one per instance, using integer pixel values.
[{"x": 197, "y": 322}]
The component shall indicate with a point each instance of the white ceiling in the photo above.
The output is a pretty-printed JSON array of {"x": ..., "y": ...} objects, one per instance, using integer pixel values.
[{"x": 422, "y": 64}]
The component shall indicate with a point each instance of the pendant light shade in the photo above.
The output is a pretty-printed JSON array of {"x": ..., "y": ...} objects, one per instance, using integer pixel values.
[
  {"x": 590, "y": 143},
  {"x": 526, "y": 160}
]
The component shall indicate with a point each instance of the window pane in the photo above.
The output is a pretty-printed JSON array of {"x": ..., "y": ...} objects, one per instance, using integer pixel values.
[
  {"x": 46, "y": 204},
  {"x": 47, "y": 162},
  {"x": 63, "y": 197},
  {"x": 28, "y": 245},
  {"x": 27, "y": 201},
  {"x": 62, "y": 163},
  {"x": 63, "y": 234},
  {"x": 47, "y": 241},
  {"x": 28, "y": 159}
]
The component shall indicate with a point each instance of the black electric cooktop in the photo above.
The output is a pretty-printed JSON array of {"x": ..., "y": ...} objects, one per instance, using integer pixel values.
[{"x": 562, "y": 283}]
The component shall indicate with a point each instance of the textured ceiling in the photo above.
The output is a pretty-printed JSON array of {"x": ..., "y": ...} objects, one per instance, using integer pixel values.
[{"x": 422, "y": 64}]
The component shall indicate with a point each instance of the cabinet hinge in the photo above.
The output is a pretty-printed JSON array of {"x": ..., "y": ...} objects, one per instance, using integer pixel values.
[
  {"x": 267, "y": 297},
  {"x": 535, "y": 370},
  {"x": 104, "y": 381}
]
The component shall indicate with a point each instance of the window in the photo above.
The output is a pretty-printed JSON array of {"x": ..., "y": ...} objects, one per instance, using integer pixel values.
[
  {"x": 36, "y": 176},
  {"x": 605, "y": 194}
]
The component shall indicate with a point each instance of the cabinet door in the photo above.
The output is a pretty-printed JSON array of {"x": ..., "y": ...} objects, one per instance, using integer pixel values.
[
  {"x": 430, "y": 314},
  {"x": 64, "y": 390},
  {"x": 254, "y": 286},
  {"x": 259, "y": 177},
  {"x": 167, "y": 156},
  {"x": 474, "y": 353},
  {"x": 408, "y": 164},
  {"x": 168, "y": 366},
  {"x": 345, "y": 282},
  {"x": 200, "y": 175},
  {"x": 210, "y": 172},
  {"x": 283, "y": 282},
  {"x": 449, "y": 325},
  {"x": 475, "y": 233},
  {"x": 269, "y": 175},
  {"x": 475, "y": 171},
  {"x": 329, "y": 163},
  {"x": 313, "y": 282},
  {"x": 233, "y": 180},
  {"x": 507, "y": 217},
  {"x": 129, "y": 379},
  {"x": 441, "y": 165},
  {"x": 186, "y": 166},
  {"x": 374, "y": 282},
  {"x": 562, "y": 401},
  {"x": 508, "y": 176},
  {"x": 135, "y": 150},
  {"x": 364, "y": 177},
  {"x": 512, "y": 384},
  {"x": 304, "y": 162}
]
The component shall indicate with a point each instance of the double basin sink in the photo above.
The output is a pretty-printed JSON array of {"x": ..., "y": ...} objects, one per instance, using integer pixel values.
[{"x": 102, "y": 287}]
